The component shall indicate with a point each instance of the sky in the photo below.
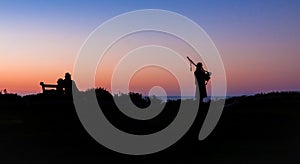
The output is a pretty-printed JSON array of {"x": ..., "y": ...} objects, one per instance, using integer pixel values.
[{"x": 257, "y": 40}]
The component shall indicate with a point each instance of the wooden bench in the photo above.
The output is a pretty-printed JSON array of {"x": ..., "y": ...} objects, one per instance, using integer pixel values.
[{"x": 45, "y": 88}]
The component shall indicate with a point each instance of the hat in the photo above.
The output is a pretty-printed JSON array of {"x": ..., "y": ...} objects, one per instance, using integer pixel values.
[{"x": 199, "y": 64}]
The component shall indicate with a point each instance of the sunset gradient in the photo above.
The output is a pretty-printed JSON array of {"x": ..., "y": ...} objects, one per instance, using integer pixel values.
[{"x": 257, "y": 40}]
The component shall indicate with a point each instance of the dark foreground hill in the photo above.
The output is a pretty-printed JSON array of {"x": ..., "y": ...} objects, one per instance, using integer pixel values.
[{"x": 264, "y": 128}]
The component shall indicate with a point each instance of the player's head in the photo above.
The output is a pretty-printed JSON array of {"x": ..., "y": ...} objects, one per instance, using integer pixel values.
[{"x": 199, "y": 65}]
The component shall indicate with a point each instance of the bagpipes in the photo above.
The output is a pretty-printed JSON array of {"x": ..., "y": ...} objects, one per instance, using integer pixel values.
[{"x": 206, "y": 73}]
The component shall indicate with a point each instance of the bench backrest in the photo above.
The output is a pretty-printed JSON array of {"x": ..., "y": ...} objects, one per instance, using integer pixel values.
[{"x": 45, "y": 86}]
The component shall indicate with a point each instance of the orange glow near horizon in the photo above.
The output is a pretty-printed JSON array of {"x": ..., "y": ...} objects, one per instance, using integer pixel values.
[
  {"x": 144, "y": 83},
  {"x": 146, "y": 78}
]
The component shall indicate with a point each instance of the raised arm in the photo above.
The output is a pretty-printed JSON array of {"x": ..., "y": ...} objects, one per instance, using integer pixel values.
[{"x": 191, "y": 61}]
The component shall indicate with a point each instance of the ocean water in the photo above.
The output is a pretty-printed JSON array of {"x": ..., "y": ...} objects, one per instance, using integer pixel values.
[
  {"x": 177, "y": 97},
  {"x": 166, "y": 98}
]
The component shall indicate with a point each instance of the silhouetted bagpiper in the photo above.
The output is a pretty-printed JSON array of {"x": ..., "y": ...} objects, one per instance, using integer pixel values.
[{"x": 201, "y": 78}]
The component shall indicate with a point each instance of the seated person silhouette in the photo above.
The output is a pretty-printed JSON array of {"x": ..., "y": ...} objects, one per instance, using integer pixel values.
[
  {"x": 68, "y": 84},
  {"x": 200, "y": 82},
  {"x": 60, "y": 86}
]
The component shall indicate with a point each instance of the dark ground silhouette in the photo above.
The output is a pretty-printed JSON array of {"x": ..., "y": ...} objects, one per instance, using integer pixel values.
[{"x": 44, "y": 128}]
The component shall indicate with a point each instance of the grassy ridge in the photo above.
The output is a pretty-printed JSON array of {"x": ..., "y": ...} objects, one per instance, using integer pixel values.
[{"x": 45, "y": 128}]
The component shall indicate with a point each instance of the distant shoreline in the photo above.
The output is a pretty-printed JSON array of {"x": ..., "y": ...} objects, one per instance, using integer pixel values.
[{"x": 176, "y": 97}]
